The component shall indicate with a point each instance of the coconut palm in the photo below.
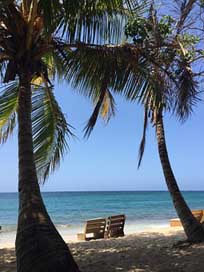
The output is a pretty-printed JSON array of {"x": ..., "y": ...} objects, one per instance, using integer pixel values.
[
  {"x": 186, "y": 96},
  {"x": 153, "y": 70},
  {"x": 33, "y": 35}
]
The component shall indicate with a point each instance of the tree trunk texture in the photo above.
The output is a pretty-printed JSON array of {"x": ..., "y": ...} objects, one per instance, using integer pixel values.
[
  {"x": 39, "y": 247},
  {"x": 193, "y": 229}
]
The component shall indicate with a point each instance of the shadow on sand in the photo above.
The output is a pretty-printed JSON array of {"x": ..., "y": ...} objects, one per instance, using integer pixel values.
[{"x": 133, "y": 253}]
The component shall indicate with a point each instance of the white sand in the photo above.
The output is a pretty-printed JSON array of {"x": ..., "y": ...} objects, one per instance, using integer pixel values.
[
  {"x": 7, "y": 239},
  {"x": 149, "y": 251}
]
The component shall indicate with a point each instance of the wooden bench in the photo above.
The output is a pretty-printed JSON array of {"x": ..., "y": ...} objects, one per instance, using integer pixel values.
[
  {"x": 115, "y": 226},
  {"x": 94, "y": 229},
  {"x": 198, "y": 214}
]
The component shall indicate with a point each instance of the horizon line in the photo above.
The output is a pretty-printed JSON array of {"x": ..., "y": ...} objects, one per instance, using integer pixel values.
[{"x": 104, "y": 191}]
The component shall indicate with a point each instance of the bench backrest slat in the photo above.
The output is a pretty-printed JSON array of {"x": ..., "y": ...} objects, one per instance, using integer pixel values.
[
  {"x": 96, "y": 227},
  {"x": 115, "y": 225}
]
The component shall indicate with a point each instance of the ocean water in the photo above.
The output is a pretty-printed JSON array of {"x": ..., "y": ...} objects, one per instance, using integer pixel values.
[{"x": 69, "y": 210}]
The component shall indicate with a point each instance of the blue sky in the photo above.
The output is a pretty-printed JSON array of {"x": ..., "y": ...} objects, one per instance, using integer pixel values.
[{"x": 108, "y": 160}]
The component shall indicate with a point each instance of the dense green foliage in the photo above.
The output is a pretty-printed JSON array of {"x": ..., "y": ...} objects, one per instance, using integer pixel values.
[
  {"x": 141, "y": 29},
  {"x": 39, "y": 35}
]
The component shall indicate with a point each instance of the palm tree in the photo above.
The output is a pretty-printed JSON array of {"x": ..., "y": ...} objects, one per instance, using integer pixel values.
[
  {"x": 161, "y": 87},
  {"x": 155, "y": 71},
  {"x": 32, "y": 38}
]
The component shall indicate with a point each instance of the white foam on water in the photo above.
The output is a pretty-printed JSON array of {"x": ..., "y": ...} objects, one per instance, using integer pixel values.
[{"x": 69, "y": 233}]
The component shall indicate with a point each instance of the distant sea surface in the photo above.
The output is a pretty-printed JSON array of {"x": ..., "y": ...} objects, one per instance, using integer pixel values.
[{"x": 69, "y": 210}]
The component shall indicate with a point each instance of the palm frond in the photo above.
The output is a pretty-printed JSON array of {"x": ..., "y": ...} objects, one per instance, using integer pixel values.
[
  {"x": 105, "y": 106},
  {"x": 50, "y": 130},
  {"x": 52, "y": 14},
  {"x": 8, "y": 110},
  {"x": 3, "y": 66},
  {"x": 101, "y": 95},
  {"x": 87, "y": 21},
  {"x": 57, "y": 58},
  {"x": 187, "y": 94},
  {"x": 108, "y": 107},
  {"x": 130, "y": 73},
  {"x": 143, "y": 141},
  {"x": 138, "y": 7},
  {"x": 93, "y": 21},
  {"x": 87, "y": 66}
]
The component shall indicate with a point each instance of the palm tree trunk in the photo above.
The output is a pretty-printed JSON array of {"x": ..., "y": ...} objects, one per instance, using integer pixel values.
[
  {"x": 193, "y": 229},
  {"x": 39, "y": 247}
]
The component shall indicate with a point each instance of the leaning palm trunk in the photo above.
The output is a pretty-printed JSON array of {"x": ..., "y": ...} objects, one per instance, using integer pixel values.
[
  {"x": 39, "y": 247},
  {"x": 193, "y": 229}
]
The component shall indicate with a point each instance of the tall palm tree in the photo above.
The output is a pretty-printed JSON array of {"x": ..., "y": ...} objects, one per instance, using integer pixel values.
[
  {"x": 186, "y": 88},
  {"x": 155, "y": 71},
  {"x": 32, "y": 38}
]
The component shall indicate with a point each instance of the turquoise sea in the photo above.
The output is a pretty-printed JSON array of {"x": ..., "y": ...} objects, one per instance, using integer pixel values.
[{"x": 69, "y": 210}]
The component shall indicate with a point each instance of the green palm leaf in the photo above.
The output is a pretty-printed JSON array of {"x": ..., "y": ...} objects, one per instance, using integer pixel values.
[
  {"x": 124, "y": 66},
  {"x": 49, "y": 131},
  {"x": 88, "y": 21},
  {"x": 8, "y": 109}
]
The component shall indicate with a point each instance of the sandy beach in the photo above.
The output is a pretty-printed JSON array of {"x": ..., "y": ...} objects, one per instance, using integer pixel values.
[{"x": 139, "y": 252}]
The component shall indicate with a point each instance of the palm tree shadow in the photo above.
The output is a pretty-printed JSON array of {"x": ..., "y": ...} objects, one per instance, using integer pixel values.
[
  {"x": 7, "y": 260},
  {"x": 138, "y": 254}
]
